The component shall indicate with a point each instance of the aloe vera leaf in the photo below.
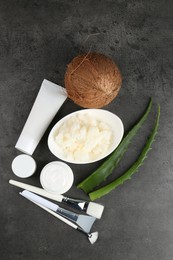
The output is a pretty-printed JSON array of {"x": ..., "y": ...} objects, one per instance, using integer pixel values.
[
  {"x": 133, "y": 169},
  {"x": 101, "y": 173}
]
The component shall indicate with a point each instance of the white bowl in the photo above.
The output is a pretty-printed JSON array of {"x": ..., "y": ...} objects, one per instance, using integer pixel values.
[{"x": 113, "y": 121}]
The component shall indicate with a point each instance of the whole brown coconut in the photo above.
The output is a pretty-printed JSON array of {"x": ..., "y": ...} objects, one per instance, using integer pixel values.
[{"x": 92, "y": 80}]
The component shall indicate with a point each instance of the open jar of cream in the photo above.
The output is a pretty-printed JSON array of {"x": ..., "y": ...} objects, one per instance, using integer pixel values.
[{"x": 56, "y": 177}]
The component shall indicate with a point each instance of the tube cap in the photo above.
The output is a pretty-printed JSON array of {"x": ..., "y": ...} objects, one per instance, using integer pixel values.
[
  {"x": 23, "y": 166},
  {"x": 26, "y": 145}
]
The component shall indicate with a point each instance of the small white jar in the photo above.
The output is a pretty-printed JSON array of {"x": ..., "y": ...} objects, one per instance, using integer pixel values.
[
  {"x": 23, "y": 166},
  {"x": 56, "y": 177}
]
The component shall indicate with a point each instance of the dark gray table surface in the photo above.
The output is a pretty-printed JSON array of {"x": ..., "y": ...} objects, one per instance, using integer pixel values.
[{"x": 37, "y": 40}]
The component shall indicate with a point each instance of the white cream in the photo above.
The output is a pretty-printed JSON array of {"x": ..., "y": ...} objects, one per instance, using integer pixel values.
[
  {"x": 56, "y": 177},
  {"x": 48, "y": 101}
]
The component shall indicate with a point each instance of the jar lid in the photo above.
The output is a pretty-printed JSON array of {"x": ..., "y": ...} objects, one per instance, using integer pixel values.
[
  {"x": 23, "y": 166},
  {"x": 56, "y": 177}
]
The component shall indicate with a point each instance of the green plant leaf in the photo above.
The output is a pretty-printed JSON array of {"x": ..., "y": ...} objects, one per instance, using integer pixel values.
[
  {"x": 111, "y": 163},
  {"x": 133, "y": 169}
]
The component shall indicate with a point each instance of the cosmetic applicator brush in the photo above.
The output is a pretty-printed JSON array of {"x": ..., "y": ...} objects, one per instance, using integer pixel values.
[
  {"x": 92, "y": 237},
  {"x": 91, "y": 208},
  {"x": 83, "y": 221}
]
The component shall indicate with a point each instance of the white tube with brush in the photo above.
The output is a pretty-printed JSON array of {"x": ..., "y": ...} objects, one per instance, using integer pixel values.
[
  {"x": 48, "y": 101},
  {"x": 91, "y": 208}
]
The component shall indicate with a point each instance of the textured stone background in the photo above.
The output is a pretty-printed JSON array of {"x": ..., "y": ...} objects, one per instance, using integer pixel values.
[{"x": 37, "y": 40}]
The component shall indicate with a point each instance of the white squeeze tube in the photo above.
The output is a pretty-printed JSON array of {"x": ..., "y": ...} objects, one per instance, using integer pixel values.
[{"x": 48, "y": 101}]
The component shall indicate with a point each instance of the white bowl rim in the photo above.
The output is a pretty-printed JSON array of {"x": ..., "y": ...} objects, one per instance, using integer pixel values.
[{"x": 97, "y": 111}]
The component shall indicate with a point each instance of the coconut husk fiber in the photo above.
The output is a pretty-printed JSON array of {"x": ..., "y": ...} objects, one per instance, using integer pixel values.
[{"x": 92, "y": 80}]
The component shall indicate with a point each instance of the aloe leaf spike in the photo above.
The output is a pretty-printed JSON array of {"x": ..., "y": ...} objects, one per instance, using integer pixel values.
[{"x": 133, "y": 169}]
